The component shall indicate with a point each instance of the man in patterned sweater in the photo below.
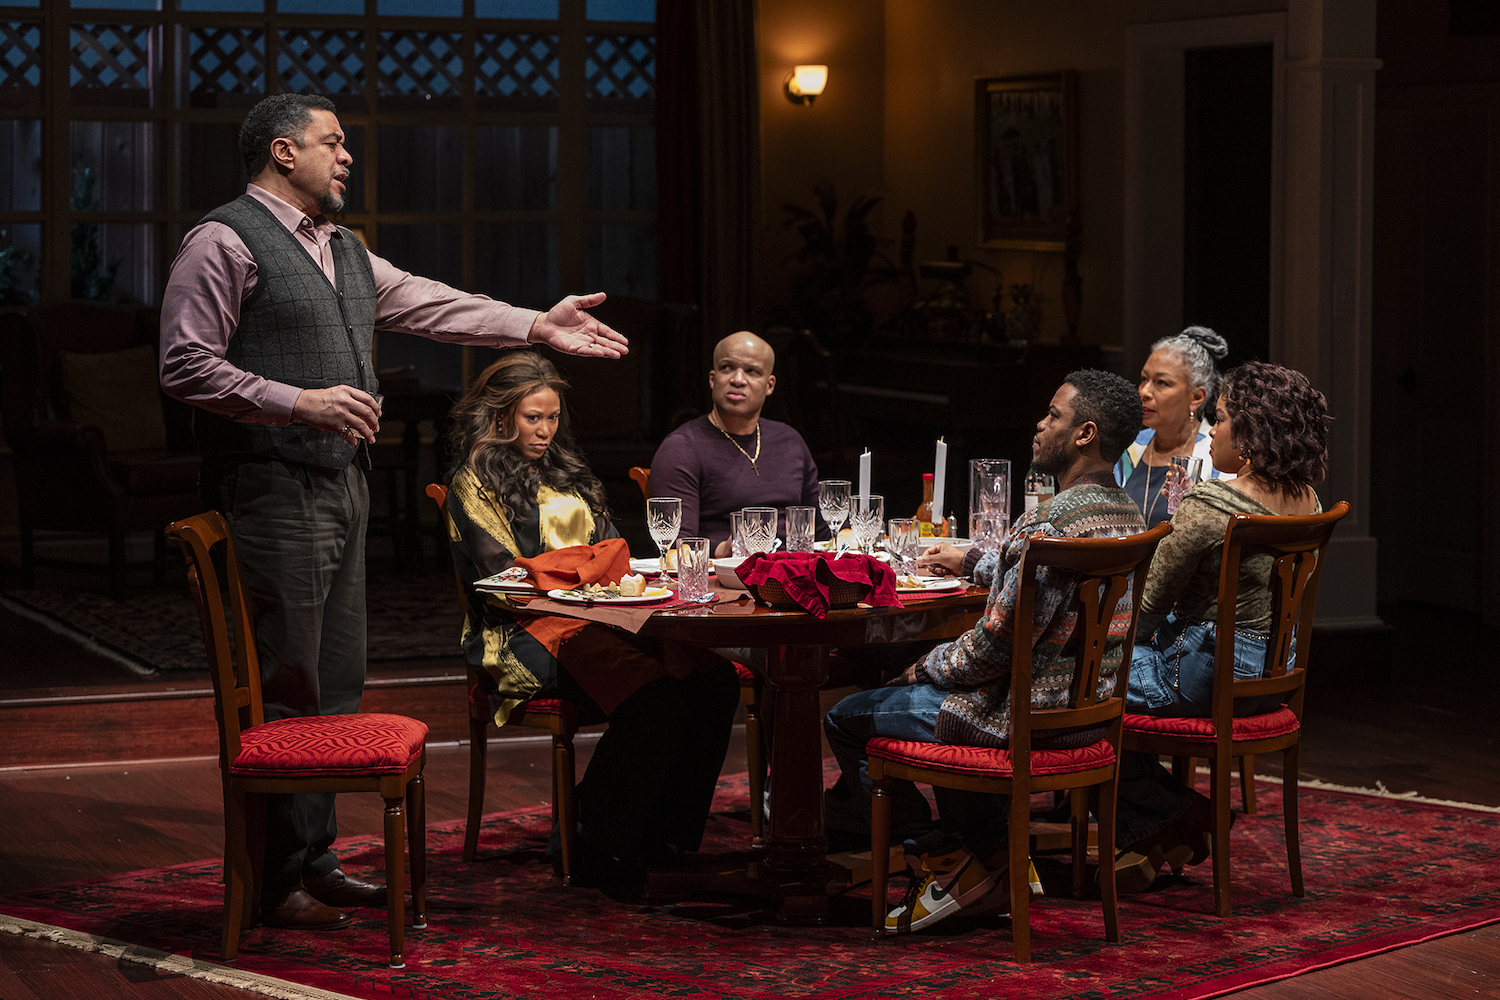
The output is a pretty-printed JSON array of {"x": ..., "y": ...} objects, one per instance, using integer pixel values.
[{"x": 960, "y": 692}]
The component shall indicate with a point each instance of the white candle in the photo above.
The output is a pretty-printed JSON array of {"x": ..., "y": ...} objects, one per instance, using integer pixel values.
[
  {"x": 864, "y": 474},
  {"x": 939, "y": 473}
]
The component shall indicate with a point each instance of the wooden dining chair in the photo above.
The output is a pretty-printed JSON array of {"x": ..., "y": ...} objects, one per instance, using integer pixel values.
[
  {"x": 1297, "y": 547},
  {"x": 750, "y": 695},
  {"x": 1109, "y": 570},
  {"x": 560, "y": 717},
  {"x": 642, "y": 477},
  {"x": 365, "y": 752}
]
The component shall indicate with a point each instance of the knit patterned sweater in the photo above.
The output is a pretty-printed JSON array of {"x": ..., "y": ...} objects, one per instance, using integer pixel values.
[{"x": 975, "y": 668}]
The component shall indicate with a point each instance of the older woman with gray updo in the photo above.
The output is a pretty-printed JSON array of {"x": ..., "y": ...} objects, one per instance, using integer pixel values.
[{"x": 1179, "y": 383}]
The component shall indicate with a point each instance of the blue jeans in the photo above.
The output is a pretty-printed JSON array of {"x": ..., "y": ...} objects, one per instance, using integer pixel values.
[
  {"x": 910, "y": 713},
  {"x": 1173, "y": 674}
]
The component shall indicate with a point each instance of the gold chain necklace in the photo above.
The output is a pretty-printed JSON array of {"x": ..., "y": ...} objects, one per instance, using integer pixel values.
[{"x": 752, "y": 459}]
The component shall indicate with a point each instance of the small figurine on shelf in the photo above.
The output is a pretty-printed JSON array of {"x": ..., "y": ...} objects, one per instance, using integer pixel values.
[{"x": 1023, "y": 319}]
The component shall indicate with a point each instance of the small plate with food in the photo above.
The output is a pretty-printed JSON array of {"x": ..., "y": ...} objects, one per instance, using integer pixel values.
[
  {"x": 630, "y": 590},
  {"x": 910, "y": 584}
]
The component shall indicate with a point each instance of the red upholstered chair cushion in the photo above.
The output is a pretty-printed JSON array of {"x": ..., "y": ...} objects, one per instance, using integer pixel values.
[
  {"x": 745, "y": 674},
  {"x": 325, "y": 746},
  {"x": 1250, "y": 727},
  {"x": 987, "y": 761}
]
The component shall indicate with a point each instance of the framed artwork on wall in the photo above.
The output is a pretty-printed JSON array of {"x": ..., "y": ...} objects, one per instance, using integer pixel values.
[{"x": 1026, "y": 160}]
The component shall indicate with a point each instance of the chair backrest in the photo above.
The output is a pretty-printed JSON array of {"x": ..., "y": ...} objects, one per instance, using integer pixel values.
[
  {"x": 1109, "y": 571},
  {"x": 232, "y": 663},
  {"x": 1297, "y": 547},
  {"x": 439, "y": 494},
  {"x": 642, "y": 477}
]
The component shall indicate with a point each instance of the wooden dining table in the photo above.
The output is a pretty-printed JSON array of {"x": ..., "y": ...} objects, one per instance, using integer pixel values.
[{"x": 795, "y": 868}]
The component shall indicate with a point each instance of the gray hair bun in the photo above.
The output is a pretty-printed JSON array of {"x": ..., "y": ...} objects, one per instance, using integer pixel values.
[{"x": 1211, "y": 342}]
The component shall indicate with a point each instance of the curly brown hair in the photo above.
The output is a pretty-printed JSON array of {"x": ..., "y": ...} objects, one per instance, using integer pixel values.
[
  {"x": 483, "y": 429},
  {"x": 1279, "y": 422}
]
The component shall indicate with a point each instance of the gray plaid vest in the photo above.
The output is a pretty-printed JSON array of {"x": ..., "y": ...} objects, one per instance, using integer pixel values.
[{"x": 298, "y": 329}]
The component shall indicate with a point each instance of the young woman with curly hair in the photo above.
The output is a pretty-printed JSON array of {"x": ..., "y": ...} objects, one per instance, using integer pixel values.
[
  {"x": 1272, "y": 435},
  {"x": 521, "y": 487}
]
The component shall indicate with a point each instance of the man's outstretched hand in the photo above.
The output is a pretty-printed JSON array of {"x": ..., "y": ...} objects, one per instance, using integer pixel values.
[{"x": 567, "y": 327}]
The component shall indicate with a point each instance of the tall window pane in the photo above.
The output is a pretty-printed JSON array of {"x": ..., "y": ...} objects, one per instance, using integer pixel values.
[
  {"x": 21, "y": 165},
  {"x": 421, "y": 168},
  {"x": 622, "y": 169},
  {"x": 516, "y": 262},
  {"x": 515, "y": 167},
  {"x": 114, "y": 262},
  {"x": 20, "y": 249},
  {"x": 622, "y": 260},
  {"x": 114, "y": 166},
  {"x": 433, "y": 252}
]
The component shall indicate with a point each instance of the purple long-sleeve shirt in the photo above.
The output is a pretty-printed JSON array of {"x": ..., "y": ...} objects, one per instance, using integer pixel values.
[
  {"x": 214, "y": 273},
  {"x": 698, "y": 463}
]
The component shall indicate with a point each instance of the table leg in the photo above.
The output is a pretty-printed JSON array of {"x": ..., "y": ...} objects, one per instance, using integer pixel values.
[{"x": 796, "y": 844}]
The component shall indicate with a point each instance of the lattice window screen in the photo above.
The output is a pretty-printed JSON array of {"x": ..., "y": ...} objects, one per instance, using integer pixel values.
[
  {"x": 621, "y": 67},
  {"x": 515, "y": 65},
  {"x": 226, "y": 60},
  {"x": 110, "y": 56},
  {"x": 321, "y": 61},
  {"x": 420, "y": 62},
  {"x": 20, "y": 58}
]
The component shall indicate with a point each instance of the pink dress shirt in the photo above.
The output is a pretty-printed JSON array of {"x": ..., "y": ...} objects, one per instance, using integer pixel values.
[{"x": 214, "y": 273}]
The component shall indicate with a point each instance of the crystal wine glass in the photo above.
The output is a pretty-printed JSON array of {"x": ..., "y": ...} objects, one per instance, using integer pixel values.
[
  {"x": 760, "y": 529},
  {"x": 664, "y": 521},
  {"x": 905, "y": 539},
  {"x": 833, "y": 501},
  {"x": 867, "y": 517}
]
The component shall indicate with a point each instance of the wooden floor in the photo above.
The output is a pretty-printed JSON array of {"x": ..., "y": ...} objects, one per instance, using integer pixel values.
[{"x": 1412, "y": 710}]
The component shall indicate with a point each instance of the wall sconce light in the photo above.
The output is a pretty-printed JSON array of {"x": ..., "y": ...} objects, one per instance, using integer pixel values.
[{"x": 804, "y": 84}]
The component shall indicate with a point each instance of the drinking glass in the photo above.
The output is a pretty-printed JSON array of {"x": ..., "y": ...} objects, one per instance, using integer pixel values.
[
  {"x": 760, "y": 529},
  {"x": 737, "y": 534},
  {"x": 1185, "y": 473},
  {"x": 801, "y": 525},
  {"x": 663, "y": 520},
  {"x": 693, "y": 568},
  {"x": 866, "y": 517},
  {"x": 833, "y": 501},
  {"x": 989, "y": 490},
  {"x": 906, "y": 537}
]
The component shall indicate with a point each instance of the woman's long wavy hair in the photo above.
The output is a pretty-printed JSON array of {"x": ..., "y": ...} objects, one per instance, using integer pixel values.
[
  {"x": 483, "y": 432},
  {"x": 1279, "y": 422}
]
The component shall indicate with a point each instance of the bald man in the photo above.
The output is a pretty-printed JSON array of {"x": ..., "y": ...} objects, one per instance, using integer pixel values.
[{"x": 732, "y": 457}]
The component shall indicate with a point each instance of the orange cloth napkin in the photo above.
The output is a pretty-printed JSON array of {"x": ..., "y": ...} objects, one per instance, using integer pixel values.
[{"x": 578, "y": 565}]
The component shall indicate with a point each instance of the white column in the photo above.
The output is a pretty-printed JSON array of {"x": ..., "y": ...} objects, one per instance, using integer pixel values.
[{"x": 1326, "y": 266}]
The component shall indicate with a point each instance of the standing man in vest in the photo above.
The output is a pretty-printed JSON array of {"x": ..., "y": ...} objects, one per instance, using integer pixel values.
[{"x": 267, "y": 325}]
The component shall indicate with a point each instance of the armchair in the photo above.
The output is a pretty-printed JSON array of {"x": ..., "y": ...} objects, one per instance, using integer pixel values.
[{"x": 96, "y": 445}]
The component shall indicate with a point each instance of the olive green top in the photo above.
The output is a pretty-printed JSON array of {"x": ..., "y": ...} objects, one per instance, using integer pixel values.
[{"x": 1184, "y": 576}]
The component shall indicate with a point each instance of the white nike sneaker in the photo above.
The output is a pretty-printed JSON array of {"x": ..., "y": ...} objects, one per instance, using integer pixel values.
[{"x": 942, "y": 886}]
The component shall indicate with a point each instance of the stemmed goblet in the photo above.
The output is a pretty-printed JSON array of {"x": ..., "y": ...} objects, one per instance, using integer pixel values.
[
  {"x": 833, "y": 501},
  {"x": 867, "y": 517},
  {"x": 664, "y": 521}
]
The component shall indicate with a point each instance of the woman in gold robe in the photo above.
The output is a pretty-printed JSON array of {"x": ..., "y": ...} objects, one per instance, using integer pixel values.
[{"x": 521, "y": 487}]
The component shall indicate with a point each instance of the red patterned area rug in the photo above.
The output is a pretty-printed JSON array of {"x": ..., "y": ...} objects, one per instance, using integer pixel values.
[{"x": 1381, "y": 873}]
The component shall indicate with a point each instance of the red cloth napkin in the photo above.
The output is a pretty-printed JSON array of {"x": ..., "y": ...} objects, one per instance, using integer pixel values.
[
  {"x": 566, "y": 569},
  {"x": 806, "y": 576}
]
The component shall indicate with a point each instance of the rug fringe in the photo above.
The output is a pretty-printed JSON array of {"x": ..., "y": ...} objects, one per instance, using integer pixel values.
[
  {"x": 83, "y": 639},
  {"x": 1380, "y": 791},
  {"x": 163, "y": 961}
]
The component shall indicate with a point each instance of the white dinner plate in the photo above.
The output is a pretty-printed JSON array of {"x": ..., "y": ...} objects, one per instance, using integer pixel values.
[
  {"x": 933, "y": 583},
  {"x": 651, "y": 596},
  {"x": 493, "y": 585},
  {"x": 651, "y": 566}
]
